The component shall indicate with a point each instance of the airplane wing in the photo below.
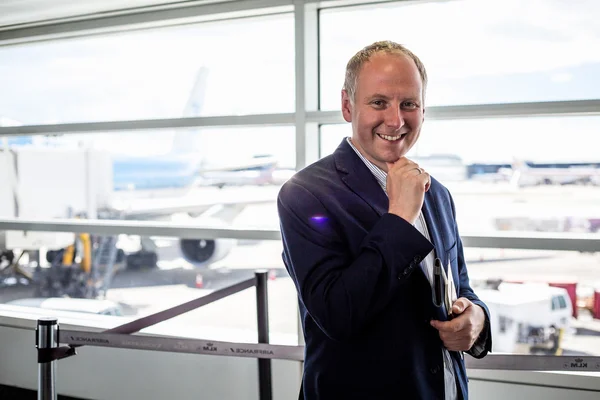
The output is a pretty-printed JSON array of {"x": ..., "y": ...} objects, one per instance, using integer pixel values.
[
  {"x": 222, "y": 204},
  {"x": 256, "y": 162}
]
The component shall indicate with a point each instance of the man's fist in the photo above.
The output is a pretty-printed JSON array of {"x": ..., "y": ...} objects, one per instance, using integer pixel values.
[
  {"x": 406, "y": 186},
  {"x": 462, "y": 331}
]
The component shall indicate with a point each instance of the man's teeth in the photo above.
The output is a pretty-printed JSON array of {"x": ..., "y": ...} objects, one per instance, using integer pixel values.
[{"x": 390, "y": 138}]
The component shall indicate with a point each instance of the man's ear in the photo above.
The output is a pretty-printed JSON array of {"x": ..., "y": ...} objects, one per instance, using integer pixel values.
[{"x": 346, "y": 106}]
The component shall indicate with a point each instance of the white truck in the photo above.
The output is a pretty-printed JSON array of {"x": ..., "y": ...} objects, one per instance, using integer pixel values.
[{"x": 527, "y": 318}]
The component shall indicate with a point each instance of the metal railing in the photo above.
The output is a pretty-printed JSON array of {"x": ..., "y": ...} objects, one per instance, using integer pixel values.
[
  {"x": 49, "y": 336},
  {"x": 584, "y": 242}
]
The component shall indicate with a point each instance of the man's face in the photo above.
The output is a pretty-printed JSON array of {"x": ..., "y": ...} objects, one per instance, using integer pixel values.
[{"x": 387, "y": 112}]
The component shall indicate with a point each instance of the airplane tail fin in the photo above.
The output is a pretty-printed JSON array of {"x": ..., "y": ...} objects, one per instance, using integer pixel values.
[
  {"x": 519, "y": 165},
  {"x": 184, "y": 139}
]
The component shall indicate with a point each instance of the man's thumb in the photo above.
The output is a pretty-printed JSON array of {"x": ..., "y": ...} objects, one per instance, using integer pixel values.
[{"x": 460, "y": 305}]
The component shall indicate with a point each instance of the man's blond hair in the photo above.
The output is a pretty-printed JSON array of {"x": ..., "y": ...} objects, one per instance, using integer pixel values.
[{"x": 359, "y": 59}]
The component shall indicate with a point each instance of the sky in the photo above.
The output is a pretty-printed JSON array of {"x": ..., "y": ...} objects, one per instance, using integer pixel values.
[{"x": 476, "y": 52}]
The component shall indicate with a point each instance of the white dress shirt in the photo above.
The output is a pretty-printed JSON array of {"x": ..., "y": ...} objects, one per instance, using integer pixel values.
[{"x": 427, "y": 266}]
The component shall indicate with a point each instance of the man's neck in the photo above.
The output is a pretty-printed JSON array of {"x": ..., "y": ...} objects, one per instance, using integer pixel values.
[{"x": 365, "y": 155}]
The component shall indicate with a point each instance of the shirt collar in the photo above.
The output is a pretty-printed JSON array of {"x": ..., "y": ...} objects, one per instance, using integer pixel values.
[{"x": 377, "y": 172}]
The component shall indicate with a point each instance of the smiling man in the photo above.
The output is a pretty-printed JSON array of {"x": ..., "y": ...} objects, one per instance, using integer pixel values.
[{"x": 366, "y": 233}]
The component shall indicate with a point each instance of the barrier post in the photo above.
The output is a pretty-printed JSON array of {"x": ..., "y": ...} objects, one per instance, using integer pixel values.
[
  {"x": 47, "y": 338},
  {"x": 262, "y": 308}
]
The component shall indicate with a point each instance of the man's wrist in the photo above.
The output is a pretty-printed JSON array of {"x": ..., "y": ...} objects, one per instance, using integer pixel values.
[{"x": 484, "y": 323}]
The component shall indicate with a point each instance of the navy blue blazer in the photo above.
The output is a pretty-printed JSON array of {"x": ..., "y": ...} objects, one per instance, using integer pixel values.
[{"x": 365, "y": 302}]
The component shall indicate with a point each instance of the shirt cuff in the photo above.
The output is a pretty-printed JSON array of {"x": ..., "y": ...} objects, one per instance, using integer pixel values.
[{"x": 479, "y": 347}]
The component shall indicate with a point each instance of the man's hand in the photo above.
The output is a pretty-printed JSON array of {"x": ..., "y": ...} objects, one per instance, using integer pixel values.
[
  {"x": 460, "y": 333},
  {"x": 406, "y": 186}
]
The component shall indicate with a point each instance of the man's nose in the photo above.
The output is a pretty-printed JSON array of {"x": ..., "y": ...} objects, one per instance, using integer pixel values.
[{"x": 394, "y": 118}]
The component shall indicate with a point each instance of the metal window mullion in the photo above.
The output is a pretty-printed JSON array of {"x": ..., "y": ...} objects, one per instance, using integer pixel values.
[
  {"x": 307, "y": 116},
  {"x": 583, "y": 242},
  {"x": 485, "y": 111},
  {"x": 144, "y": 17},
  {"x": 166, "y": 123},
  {"x": 306, "y": 43}
]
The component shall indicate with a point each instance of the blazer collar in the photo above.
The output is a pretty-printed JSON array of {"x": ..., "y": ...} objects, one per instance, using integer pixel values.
[
  {"x": 432, "y": 216},
  {"x": 357, "y": 176}
]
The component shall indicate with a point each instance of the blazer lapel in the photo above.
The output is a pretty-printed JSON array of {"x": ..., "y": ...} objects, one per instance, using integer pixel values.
[
  {"x": 432, "y": 216},
  {"x": 357, "y": 176}
]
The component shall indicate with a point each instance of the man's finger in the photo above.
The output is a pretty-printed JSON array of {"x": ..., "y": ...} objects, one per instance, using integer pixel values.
[
  {"x": 427, "y": 179},
  {"x": 448, "y": 326}
]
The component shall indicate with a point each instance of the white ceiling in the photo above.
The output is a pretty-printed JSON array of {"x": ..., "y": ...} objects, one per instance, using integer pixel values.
[{"x": 24, "y": 11}]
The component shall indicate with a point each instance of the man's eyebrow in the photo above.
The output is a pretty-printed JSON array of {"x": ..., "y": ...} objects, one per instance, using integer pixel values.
[
  {"x": 378, "y": 95},
  {"x": 385, "y": 97}
]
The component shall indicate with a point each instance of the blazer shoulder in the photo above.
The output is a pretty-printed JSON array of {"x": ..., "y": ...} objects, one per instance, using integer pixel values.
[
  {"x": 313, "y": 178},
  {"x": 438, "y": 189}
]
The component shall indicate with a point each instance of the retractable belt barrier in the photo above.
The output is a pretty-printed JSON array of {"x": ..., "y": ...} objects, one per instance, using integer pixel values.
[
  {"x": 181, "y": 345},
  {"x": 524, "y": 362},
  {"x": 57, "y": 353},
  {"x": 48, "y": 336}
]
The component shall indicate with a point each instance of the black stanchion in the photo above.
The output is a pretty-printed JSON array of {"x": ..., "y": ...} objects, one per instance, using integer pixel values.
[
  {"x": 47, "y": 338},
  {"x": 262, "y": 308}
]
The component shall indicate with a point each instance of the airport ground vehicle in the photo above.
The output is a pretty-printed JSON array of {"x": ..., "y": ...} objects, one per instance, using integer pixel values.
[{"x": 527, "y": 317}]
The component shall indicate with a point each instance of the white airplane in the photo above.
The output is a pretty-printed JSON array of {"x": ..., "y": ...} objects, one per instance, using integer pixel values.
[
  {"x": 522, "y": 175},
  {"x": 183, "y": 167},
  {"x": 56, "y": 182}
]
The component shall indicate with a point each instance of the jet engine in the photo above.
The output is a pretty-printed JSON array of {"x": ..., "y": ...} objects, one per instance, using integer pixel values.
[{"x": 203, "y": 252}]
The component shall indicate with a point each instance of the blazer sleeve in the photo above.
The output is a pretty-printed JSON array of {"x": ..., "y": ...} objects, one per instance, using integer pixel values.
[
  {"x": 483, "y": 344},
  {"x": 342, "y": 293}
]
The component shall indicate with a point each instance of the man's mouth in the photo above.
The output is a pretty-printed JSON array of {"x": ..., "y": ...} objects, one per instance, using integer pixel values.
[{"x": 391, "y": 138}]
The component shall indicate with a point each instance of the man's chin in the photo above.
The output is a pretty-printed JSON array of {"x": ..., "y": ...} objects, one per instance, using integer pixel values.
[{"x": 393, "y": 157}]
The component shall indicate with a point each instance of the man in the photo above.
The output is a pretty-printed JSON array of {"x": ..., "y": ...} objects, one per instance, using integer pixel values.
[{"x": 362, "y": 230}]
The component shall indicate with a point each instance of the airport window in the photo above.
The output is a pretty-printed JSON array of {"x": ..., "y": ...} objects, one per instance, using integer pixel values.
[
  {"x": 502, "y": 178},
  {"x": 210, "y": 177},
  {"x": 155, "y": 170},
  {"x": 475, "y": 52},
  {"x": 475, "y": 159},
  {"x": 235, "y": 67},
  {"x": 530, "y": 309},
  {"x": 531, "y": 174}
]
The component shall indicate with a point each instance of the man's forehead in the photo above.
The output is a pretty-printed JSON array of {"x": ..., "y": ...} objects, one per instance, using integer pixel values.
[
  {"x": 384, "y": 69},
  {"x": 398, "y": 63}
]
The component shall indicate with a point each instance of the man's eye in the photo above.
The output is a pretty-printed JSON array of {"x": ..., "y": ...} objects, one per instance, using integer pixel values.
[
  {"x": 378, "y": 103},
  {"x": 409, "y": 105}
]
